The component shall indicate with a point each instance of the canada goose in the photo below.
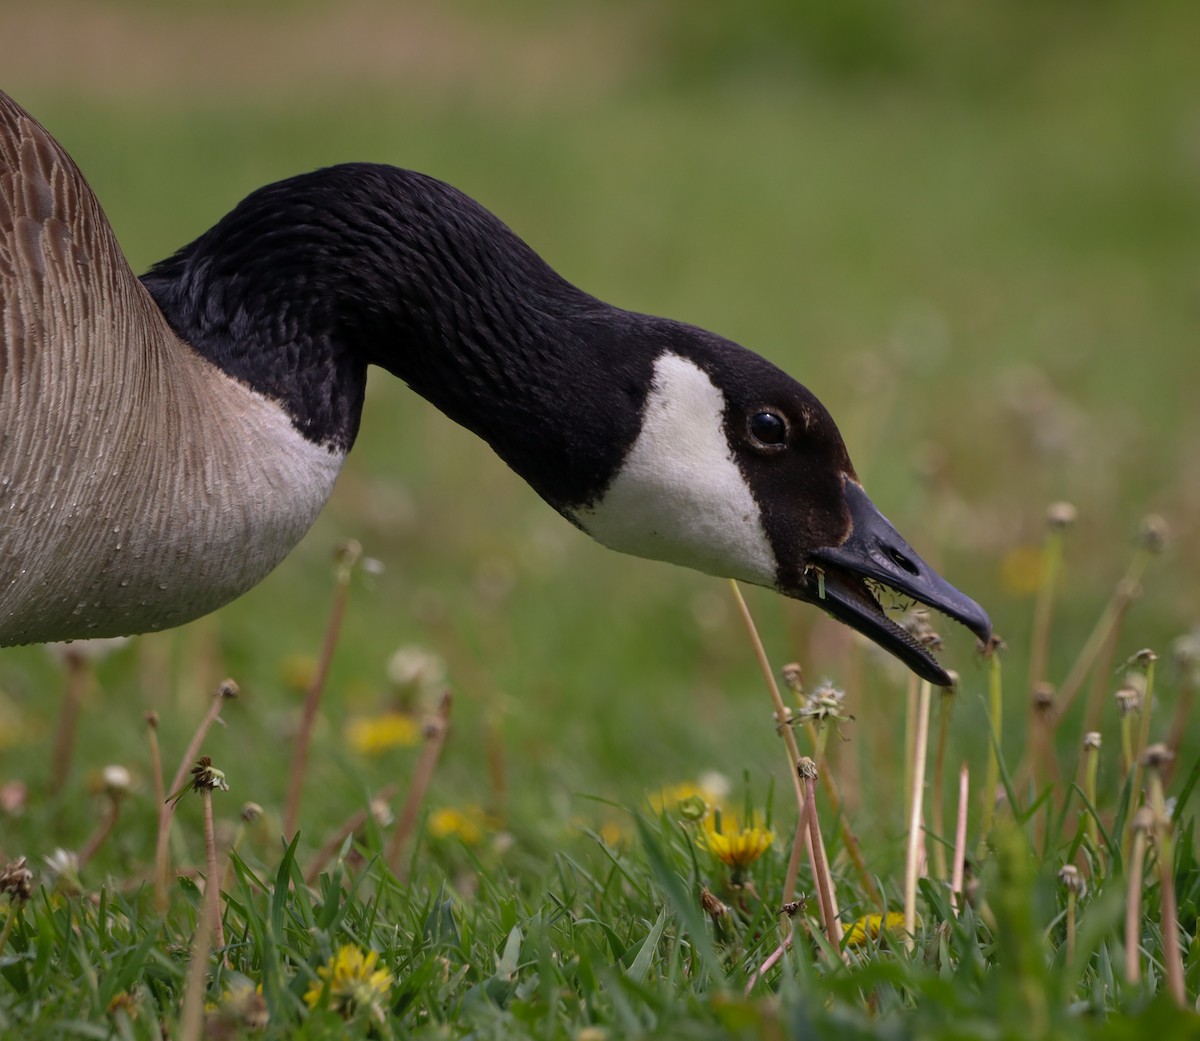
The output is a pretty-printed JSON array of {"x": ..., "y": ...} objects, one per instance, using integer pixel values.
[{"x": 165, "y": 442}]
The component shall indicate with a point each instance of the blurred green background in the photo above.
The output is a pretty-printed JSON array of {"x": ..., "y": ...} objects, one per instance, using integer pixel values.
[{"x": 972, "y": 230}]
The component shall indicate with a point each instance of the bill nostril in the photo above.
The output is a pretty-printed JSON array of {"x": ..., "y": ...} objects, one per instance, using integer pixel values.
[{"x": 900, "y": 560}]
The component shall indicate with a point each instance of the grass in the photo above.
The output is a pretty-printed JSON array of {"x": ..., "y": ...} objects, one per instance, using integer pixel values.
[{"x": 976, "y": 244}]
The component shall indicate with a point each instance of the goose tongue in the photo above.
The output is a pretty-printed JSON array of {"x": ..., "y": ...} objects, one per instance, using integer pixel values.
[{"x": 875, "y": 552}]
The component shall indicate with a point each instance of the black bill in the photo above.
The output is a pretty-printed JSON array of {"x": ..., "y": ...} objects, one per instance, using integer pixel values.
[{"x": 841, "y": 580}]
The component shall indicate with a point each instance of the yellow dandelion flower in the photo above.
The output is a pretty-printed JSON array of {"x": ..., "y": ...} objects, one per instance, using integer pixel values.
[
  {"x": 1022, "y": 569},
  {"x": 726, "y": 821},
  {"x": 353, "y": 982},
  {"x": 693, "y": 800},
  {"x": 13, "y": 725},
  {"x": 466, "y": 824},
  {"x": 737, "y": 847},
  {"x": 870, "y": 926},
  {"x": 373, "y": 735},
  {"x": 298, "y": 671},
  {"x": 614, "y": 833}
]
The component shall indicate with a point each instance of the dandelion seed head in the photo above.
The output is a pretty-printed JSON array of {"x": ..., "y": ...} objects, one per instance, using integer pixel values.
[
  {"x": 1157, "y": 756},
  {"x": 381, "y": 813},
  {"x": 711, "y": 905},
  {"x": 1061, "y": 515},
  {"x": 825, "y": 704},
  {"x": 345, "y": 556},
  {"x": 16, "y": 880},
  {"x": 206, "y": 777},
  {"x": 793, "y": 678},
  {"x": 916, "y": 622},
  {"x": 1043, "y": 697},
  {"x": 1144, "y": 658},
  {"x": 116, "y": 781},
  {"x": 63, "y": 865},
  {"x": 1185, "y": 650},
  {"x": 715, "y": 785},
  {"x": 1143, "y": 820},
  {"x": 1152, "y": 533},
  {"x": 994, "y": 645},
  {"x": 1071, "y": 880},
  {"x": 415, "y": 668},
  {"x": 1129, "y": 700}
]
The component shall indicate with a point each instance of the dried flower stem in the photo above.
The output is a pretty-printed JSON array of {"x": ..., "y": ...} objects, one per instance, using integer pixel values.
[
  {"x": 212, "y": 876},
  {"x": 807, "y": 771},
  {"x": 783, "y": 718},
  {"x": 348, "y": 557},
  {"x": 916, "y": 808},
  {"x": 1060, "y": 516},
  {"x": 1044, "y": 762},
  {"x": 111, "y": 813},
  {"x": 770, "y": 961},
  {"x": 799, "y": 842},
  {"x": 783, "y": 715},
  {"x": 166, "y": 809},
  {"x": 1172, "y": 956},
  {"x": 68, "y": 719},
  {"x": 991, "y": 779},
  {"x": 352, "y": 823},
  {"x": 939, "y": 792},
  {"x": 960, "y": 838},
  {"x": 435, "y": 737},
  {"x": 911, "y": 702}
]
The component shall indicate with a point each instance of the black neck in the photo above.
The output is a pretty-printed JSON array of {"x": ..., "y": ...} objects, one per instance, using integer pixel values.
[{"x": 309, "y": 280}]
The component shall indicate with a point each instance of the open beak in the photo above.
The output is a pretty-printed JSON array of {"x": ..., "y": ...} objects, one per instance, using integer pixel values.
[{"x": 841, "y": 580}]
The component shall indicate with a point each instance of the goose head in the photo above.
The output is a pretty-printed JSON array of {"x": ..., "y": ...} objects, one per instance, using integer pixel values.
[{"x": 738, "y": 470}]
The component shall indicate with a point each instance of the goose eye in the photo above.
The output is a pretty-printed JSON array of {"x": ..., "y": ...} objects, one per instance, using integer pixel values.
[{"x": 769, "y": 429}]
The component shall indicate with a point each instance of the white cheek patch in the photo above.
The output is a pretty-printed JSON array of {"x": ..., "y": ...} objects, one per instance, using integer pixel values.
[{"x": 679, "y": 495}]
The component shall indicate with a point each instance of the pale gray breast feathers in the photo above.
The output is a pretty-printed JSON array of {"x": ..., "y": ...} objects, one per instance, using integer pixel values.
[{"x": 139, "y": 486}]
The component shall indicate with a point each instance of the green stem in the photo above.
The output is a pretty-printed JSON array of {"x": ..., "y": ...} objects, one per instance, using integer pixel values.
[{"x": 991, "y": 779}]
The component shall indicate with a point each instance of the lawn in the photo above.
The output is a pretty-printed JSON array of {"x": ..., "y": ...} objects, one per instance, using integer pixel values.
[{"x": 975, "y": 237}]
